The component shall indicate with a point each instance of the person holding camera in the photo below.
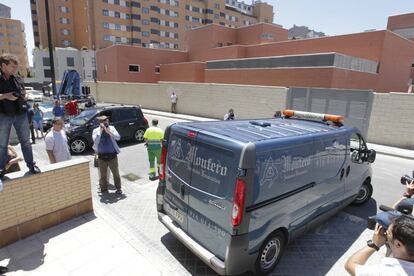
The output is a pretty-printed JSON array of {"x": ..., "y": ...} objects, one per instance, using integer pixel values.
[
  {"x": 105, "y": 145},
  {"x": 406, "y": 202},
  {"x": 229, "y": 116},
  {"x": 13, "y": 112},
  {"x": 399, "y": 237}
]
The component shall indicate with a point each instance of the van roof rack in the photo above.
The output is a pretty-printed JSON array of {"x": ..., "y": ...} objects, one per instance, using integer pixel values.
[{"x": 335, "y": 119}]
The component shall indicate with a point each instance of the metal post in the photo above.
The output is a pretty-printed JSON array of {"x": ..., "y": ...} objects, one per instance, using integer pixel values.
[{"x": 50, "y": 45}]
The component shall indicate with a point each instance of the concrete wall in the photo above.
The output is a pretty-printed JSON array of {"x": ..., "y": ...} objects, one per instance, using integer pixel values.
[
  {"x": 392, "y": 120},
  {"x": 208, "y": 100},
  {"x": 390, "y": 123},
  {"x": 29, "y": 204}
]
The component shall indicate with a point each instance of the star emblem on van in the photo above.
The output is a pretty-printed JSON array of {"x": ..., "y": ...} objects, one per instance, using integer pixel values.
[{"x": 269, "y": 172}]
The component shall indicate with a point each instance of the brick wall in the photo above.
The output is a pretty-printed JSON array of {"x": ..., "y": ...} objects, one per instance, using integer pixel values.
[
  {"x": 31, "y": 203},
  {"x": 392, "y": 120},
  {"x": 208, "y": 100},
  {"x": 390, "y": 124}
]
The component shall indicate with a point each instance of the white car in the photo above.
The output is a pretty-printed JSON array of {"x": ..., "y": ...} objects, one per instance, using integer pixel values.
[{"x": 34, "y": 96}]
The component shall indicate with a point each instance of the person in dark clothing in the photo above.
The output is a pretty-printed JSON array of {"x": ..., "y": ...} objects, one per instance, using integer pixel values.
[
  {"x": 13, "y": 112},
  {"x": 30, "y": 114}
]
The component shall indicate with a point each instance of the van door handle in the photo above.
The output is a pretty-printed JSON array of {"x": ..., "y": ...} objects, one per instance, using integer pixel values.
[
  {"x": 131, "y": 124},
  {"x": 342, "y": 173},
  {"x": 182, "y": 190},
  {"x": 347, "y": 170}
]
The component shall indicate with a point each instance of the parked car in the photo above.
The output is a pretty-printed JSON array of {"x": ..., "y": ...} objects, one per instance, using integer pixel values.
[
  {"x": 236, "y": 192},
  {"x": 128, "y": 120},
  {"x": 34, "y": 96}
]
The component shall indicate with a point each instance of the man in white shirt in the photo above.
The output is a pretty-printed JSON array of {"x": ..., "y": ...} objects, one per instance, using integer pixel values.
[
  {"x": 399, "y": 237},
  {"x": 173, "y": 102},
  {"x": 57, "y": 142}
]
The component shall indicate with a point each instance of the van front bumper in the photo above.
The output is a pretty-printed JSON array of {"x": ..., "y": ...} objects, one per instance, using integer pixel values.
[{"x": 237, "y": 259}]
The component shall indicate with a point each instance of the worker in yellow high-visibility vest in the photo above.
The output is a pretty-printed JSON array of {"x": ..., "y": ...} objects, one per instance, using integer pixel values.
[{"x": 153, "y": 137}]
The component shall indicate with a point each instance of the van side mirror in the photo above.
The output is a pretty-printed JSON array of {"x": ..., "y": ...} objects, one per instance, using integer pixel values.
[{"x": 372, "y": 154}]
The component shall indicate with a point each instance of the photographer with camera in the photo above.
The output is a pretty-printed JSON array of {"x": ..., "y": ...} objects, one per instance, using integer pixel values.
[
  {"x": 406, "y": 202},
  {"x": 13, "y": 111},
  {"x": 229, "y": 116},
  {"x": 105, "y": 146},
  {"x": 399, "y": 237}
]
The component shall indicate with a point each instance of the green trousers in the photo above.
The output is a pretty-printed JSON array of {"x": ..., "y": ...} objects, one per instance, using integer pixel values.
[{"x": 154, "y": 152}]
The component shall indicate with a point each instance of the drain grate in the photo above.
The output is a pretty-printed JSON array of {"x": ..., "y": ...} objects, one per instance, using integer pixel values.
[{"x": 131, "y": 177}]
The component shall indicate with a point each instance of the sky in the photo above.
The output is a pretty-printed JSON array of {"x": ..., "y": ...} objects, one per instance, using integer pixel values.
[{"x": 333, "y": 17}]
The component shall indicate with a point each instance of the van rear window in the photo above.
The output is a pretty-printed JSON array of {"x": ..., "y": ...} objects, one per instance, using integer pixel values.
[
  {"x": 214, "y": 170},
  {"x": 205, "y": 167}
]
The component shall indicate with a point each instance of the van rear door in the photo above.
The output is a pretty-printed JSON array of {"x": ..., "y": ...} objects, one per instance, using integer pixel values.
[
  {"x": 213, "y": 181},
  {"x": 178, "y": 174}
]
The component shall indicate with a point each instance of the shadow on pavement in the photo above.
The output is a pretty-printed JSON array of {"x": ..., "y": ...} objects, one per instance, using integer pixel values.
[
  {"x": 28, "y": 254},
  {"x": 313, "y": 253},
  {"x": 363, "y": 211}
]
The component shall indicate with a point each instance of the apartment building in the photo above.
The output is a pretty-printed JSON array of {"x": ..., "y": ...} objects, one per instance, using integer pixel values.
[
  {"x": 83, "y": 61},
  {"x": 13, "y": 38},
  {"x": 96, "y": 24}
]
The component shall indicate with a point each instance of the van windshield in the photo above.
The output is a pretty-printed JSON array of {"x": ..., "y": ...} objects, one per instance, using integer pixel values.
[{"x": 82, "y": 118}]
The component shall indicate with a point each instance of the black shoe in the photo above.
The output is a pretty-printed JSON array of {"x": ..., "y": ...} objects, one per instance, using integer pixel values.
[
  {"x": 34, "y": 169},
  {"x": 3, "y": 269},
  {"x": 118, "y": 192},
  {"x": 2, "y": 173}
]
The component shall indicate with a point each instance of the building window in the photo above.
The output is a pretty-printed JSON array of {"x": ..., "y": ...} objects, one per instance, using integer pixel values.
[
  {"x": 135, "y": 29},
  {"x": 66, "y": 43},
  {"x": 65, "y": 31},
  {"x": 70, "y": 61},
  {"x": 64, "y": 9},
  {"x": 145, "y": 22},
  {"x": 106, "y": 25},
  {"x": 145, "y": 10},
  {"x": 217, "y": 6},
  {"x": 135, "y": 4},
  {"x": 107, "y": 37},
  {"x": 118, "y": 39},
  {"x": 63, "y": 20},
  {"x": 117, "y": 14},
  {"x": 146, "y": 34},
  {"x": 135, "y": 68},
  {"x": 157, "y": 69},
  {"x": 136, "y": 16},
  {"x": 117, "y": 27},
  {"x": 136, "y": 41},
  {"x": 46, "y": 61},
  {"x": 47, "y": 73},
  {"x": 105, "y": 12}
]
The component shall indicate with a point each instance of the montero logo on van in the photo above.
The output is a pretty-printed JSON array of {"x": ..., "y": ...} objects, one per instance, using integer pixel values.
[
  {"x": 197, "y": 162},
  {"x": 205, "y": 163}
]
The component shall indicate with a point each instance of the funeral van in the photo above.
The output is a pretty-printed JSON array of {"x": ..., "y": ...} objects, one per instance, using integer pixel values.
[{"x": 237, "y": 192}]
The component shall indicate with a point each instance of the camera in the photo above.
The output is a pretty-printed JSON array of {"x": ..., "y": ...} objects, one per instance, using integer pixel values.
[
  {"x": 406, "y": 179},
  {"x": 384, "y": 219}
]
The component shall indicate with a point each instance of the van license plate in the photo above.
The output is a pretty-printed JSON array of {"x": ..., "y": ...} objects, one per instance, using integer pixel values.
[{"x": 175, "y": 214}]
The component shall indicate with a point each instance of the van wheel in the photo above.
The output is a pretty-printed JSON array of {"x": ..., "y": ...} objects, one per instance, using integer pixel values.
[
  {"x": 270, "y": 253},
  {"x": 78, "y": 145},
  {"x": 364, "y": 194},
  {"x": 139, "y": 135}
]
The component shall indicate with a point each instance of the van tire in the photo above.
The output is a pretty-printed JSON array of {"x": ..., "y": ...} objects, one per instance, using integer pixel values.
[
  {"x": 364, "y": 194},
  {"x": 270, "y": 253}
]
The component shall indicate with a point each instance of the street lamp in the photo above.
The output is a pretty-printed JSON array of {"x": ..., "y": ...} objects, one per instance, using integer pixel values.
[{"x": 50, "y": 45}]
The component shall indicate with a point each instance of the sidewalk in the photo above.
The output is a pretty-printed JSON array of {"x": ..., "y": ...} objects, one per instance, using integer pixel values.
[{"x": 381, "y": 149}]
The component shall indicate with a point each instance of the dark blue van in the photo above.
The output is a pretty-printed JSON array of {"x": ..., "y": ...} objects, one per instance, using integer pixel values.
[{"x": 236, "y": 192}]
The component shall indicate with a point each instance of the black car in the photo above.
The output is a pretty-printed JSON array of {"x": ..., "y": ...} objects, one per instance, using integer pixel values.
[{"x": 129, "y": 121}]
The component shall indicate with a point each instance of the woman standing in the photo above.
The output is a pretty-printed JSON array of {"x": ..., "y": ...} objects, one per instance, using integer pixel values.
[{"x": 37, "y": 120}]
